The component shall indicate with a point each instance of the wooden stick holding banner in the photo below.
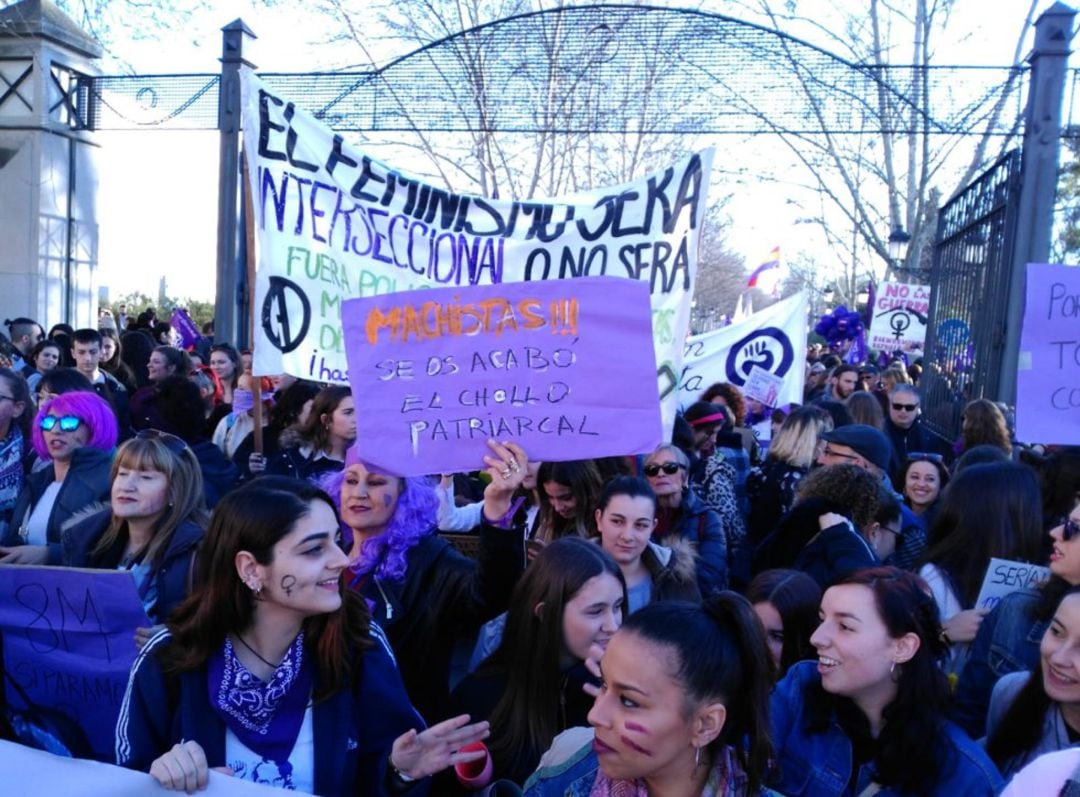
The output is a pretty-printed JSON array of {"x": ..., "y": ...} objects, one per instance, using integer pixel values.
[{"x": 249, "y": 236}]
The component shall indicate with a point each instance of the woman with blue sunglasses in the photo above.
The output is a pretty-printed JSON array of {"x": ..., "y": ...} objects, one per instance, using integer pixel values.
[{"x": 76, "y": 433}]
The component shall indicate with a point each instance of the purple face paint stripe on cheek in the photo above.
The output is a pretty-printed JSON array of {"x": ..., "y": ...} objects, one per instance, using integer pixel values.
[
  {"x": 635, "y": 746},
  {"x": 633, "y": 726}
]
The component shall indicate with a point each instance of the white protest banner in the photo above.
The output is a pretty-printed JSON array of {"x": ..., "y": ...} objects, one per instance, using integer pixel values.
[
  {"x": 332, "y": 223},
  {"x": 1048, "y": 369},
  {"x": 773, "y": 340},
  {"x": 1004, "y": 576},
  {"x": 38, "y": 772},
  {"x": 899, "y": 316}
]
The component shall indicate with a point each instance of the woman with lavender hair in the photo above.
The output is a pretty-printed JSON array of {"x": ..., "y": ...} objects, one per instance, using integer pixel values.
[
  {"x": 77, "y": 432},
  {"x": 424, "y": 592}
]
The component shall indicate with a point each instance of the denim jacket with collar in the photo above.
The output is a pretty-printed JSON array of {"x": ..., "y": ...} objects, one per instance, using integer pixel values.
[
  {"x": 1008, "y": 641},
  {"x": 819, "y": 764}
]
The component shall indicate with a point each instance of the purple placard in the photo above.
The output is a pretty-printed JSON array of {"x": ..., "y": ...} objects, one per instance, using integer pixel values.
[
  {"x": 69, "y": 642},
  {"x": 185, "y": 327},
  {"x": 565, "y": 368},
  {"x": 1048, "y": 373}
]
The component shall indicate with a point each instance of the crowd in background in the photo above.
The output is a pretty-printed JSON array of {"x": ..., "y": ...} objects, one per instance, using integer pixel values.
[{"x": 736, "y": 612}]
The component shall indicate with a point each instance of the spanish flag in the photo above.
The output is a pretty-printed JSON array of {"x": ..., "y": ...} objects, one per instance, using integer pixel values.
[{"x": 767, "y": 275}]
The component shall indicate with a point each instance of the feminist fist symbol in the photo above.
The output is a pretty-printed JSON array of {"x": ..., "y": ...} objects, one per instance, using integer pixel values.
[
  {"x": 768, "y": 347},
  {"x": 758, "y": 354}
]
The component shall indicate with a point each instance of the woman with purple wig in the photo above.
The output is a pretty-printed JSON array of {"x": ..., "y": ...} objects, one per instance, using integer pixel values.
[
  {"x": 77, "y": 432},
  {"x": 424, "y": 592}
]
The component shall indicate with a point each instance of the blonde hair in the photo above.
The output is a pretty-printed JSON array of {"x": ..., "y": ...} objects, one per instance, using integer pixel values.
[
  {"x": 796, "y": 440},
  {"x": 185, "y": 492}
]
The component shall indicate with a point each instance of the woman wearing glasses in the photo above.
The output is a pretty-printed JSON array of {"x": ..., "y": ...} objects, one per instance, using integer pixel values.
[
  {"x": 1008, "y": 639},
  {"x": 76, "y": 433},
  {"x": 682, "y": 515},
  {"x": 14, "y": 434},
  {"x": 152, "y": 526}
]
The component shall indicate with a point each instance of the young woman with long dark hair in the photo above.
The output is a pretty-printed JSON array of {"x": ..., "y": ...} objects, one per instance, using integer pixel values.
[
  {"x": 683, "y": 709},
  {"x": 571, "y": 598},
  {"x": 1038, "y": 712},
  {"x": 870, "y": 712},
  {"x": 274, "y": 669},
  {"x": 786, "y": 602}
]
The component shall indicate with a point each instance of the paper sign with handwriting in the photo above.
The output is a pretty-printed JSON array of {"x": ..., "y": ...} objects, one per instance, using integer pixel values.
[
  {"x": 1004, "y": 576},
  {"x": 565, "y": 368},
  {"x": 69, "y": 643}
]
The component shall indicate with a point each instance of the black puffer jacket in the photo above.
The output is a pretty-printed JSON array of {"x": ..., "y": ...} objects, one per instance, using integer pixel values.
[
  {"x": 444, "y": 597},
  {"x": 86, "y": 483}
]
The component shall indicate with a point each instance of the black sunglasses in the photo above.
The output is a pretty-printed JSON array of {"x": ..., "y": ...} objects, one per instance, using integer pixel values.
[
  {"x": 668, "y": 468},
  {"x": 905, "y": 407},
  {"x": 925, "y": 456},
  {"x": 170, "y": 441},
  {"x": 1069, "y": 529}
]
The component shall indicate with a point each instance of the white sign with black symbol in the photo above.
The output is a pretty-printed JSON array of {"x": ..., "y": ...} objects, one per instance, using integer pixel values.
[{"x": 772, "y": 341}]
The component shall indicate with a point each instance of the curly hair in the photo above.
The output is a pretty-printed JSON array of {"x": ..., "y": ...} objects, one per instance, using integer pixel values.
[
  {"x": 984, "y": 423},
  {"x": 857, "y": 491},
  {"x": 731, "y": 397},
  {"x": 90, "y": 408},
  {"x": 413, "y": 519}
]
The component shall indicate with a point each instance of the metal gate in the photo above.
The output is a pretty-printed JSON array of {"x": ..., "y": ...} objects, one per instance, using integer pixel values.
[{"x": 973, "y": 254}]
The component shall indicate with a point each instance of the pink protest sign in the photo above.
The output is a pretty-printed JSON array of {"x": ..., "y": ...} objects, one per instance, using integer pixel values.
[
  {"x": 1048, "y": 370},
  {"x": 565, "y": 368}
]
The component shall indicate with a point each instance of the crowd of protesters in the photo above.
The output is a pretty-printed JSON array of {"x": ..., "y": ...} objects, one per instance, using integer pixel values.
[{"x": 734, "y": 613}]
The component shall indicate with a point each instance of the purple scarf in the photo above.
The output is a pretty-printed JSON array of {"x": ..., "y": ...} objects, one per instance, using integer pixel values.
[{"x": 266, "y": 717}]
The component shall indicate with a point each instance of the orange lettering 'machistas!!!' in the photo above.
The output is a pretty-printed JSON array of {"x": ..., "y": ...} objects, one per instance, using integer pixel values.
[{"x": 418, "y": 323}]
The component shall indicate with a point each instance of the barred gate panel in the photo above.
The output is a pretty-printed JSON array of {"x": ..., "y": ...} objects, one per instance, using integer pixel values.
[{"x": 971, "y": 272}]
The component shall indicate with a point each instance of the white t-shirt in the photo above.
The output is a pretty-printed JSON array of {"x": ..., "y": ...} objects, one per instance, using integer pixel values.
[
  {"x": 37, "y": 525},
  {"x": 249, "y": 765}
]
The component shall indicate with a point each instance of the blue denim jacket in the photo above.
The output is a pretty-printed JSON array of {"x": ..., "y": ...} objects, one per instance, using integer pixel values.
[
  {"x": 819, "y": 765},
  {"x": 1008, "y": 641}
]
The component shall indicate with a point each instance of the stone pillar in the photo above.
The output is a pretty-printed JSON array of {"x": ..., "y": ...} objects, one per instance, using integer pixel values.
[
  {"x": 1042, "y": 147},
  {"x": 48, "y": 179}
]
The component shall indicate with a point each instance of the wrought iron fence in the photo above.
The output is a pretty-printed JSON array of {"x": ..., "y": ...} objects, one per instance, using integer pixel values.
[{"x": 972, "y": 263}]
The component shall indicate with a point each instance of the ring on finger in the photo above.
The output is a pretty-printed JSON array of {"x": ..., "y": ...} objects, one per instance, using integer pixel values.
[
  {"x": 514, "y": 466},
  {"x": 505, "y": 474}
]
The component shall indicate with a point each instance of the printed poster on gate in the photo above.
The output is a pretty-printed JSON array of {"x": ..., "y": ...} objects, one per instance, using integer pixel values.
[
  {"x": 899, "y": 317},
  {"x": 333, "y": 223}
]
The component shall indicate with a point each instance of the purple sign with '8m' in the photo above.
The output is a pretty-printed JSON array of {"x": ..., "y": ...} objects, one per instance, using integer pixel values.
[{"x": 564, "y": 368}]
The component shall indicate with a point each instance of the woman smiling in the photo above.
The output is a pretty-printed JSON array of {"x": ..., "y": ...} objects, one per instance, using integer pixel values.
[
  {"x": 273, "y": 668},
  {"x": 153, "y": 525}
]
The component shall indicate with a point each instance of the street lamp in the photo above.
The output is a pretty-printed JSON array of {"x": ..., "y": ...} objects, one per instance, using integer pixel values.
[
  {"x": 863, "y": 296},
  {"x": 898, "y": 245}
]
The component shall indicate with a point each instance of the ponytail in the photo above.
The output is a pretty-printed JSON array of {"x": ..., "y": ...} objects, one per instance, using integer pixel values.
[
  {"x": 722, "y": 655},
  {"x": 747, "y": 727}
]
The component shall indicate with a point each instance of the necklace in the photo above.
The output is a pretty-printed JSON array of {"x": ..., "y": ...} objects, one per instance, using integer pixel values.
[{"x": 255, "y": 653}]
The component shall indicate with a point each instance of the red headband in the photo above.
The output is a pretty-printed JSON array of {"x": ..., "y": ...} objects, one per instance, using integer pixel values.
[{"x": 716, "y": 416}]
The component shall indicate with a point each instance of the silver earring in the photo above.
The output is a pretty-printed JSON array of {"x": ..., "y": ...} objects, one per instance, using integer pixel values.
[
  {"x": 255, "y": 588},
  {"x": 892, "y": 668},
  {"x": 697, "y": 757}
]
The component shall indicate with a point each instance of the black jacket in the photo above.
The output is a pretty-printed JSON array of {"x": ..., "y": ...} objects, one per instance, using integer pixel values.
[
  {"x": 219, "y": 475},
  {"x": 172, "y": 576},
  {"x": 445, "y": 596},
  {"x": 835, "y": 552},
  {"x": 86, "y": 483}
]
